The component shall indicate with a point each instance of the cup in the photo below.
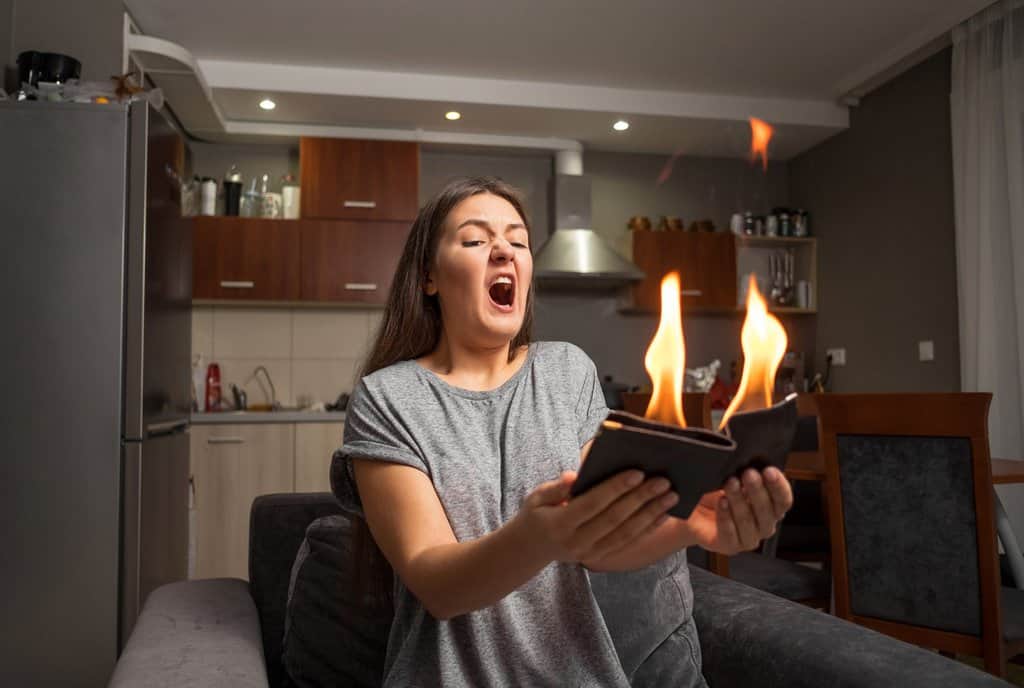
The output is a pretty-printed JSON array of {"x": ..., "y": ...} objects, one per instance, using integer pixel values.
[{"x": 803, "y": 294}]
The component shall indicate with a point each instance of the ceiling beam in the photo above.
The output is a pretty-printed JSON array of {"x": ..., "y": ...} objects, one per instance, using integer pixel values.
[{"x": 277, "y": 78}]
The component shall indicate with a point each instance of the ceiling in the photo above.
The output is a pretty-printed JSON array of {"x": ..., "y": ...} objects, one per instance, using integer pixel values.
[{"x": 540, "y": 73}]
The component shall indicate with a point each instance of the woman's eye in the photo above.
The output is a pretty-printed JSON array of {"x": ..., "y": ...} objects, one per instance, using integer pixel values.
[
  {"x": 475, "y": 242},
  {"x": 518, "y": 244}
]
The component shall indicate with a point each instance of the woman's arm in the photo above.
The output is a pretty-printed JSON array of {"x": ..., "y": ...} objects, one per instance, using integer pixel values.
[{"x": 450, "y": 577}]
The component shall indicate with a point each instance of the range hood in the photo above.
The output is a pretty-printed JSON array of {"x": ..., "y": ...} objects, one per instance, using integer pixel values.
[{"x": 575, "y": 255}]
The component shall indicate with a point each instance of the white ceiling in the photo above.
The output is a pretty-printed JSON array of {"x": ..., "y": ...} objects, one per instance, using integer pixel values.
[{"x": 686, "y": 74}]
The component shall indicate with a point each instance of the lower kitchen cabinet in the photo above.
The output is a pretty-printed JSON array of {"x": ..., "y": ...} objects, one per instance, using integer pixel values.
[
  {"x": 314, "y": 445},
  {"x": 231, "y": 466}
]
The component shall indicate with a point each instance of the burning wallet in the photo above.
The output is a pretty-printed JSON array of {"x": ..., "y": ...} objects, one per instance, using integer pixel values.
[{"x": 695, "y": 460}]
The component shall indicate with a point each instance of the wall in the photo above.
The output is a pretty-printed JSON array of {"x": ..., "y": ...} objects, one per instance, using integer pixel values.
[
  {"x": 312, "y": 354},
  {"x": 881, "y": 197},
  {"x": 91, "y": 32}
]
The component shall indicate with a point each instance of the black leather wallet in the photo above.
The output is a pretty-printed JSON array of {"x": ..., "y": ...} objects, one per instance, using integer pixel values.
[{"x": 695, "y": 460}]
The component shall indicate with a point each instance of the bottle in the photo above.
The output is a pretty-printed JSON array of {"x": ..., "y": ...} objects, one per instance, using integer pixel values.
[
  {"x": 232, "y": 191},
  {"x": 208, "y": 196},
  {"x": 198, "y": 384},
  {"x": 212, "y": 388},
  {"x": 290, "y": 197}
]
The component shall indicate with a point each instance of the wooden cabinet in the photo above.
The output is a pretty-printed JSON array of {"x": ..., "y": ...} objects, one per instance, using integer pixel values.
[
  {"x": 314, "y": 445},
  {"x": 231, "y": 466},
  {"x": 245, "y": 258},
  {"x": 359, "y": 180},
  {"x": 350, "y": 261},
  {"x": 706, "y": 262}
]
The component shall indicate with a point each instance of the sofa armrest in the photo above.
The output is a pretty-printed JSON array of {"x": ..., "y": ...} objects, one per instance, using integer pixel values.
[
  {"x": 751, "y": 638},
  {"x": 201, "y": 633}
]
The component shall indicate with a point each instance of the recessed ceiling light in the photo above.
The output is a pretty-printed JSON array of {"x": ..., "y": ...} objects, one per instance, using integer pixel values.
[
  {"x": 267, "y": 104},
  {"x": 621, "y": 125},
  {"x": 453, "y": 115}
]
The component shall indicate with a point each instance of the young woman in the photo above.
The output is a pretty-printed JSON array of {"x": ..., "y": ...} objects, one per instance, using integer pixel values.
[{"x": 461, "y": 442}]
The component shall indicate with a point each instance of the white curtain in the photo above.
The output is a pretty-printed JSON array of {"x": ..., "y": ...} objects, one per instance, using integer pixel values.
[{"x": 987, "y": 104}]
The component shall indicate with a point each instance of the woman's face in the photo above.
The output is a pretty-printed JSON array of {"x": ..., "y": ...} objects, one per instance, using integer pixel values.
[{"x": 482, "y": 271}]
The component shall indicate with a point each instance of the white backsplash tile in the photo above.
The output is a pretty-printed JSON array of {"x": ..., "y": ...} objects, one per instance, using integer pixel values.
[
  {"x": 264, "y": 333},
  {"x": 239, "y": 371},
  {"x": 323, "y": 380},
  {"x": 202, "y": 332},
  {"x": 329, "y": 334},
  {"x": 375, "y": 317}
]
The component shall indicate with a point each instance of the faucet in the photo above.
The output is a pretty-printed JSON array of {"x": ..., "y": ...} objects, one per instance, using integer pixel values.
[{"x": 273, "y": 394}]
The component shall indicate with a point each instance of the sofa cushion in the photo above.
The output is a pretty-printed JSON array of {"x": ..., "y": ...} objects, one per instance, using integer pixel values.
[{"x": 334, "y": 636}]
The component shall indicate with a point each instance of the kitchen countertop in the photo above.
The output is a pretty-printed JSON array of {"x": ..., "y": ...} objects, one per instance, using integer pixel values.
[{"x": 267, "y": 417}]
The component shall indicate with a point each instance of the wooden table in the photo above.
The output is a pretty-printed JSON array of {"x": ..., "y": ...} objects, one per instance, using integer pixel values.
[{"x": 811, "y": 466}]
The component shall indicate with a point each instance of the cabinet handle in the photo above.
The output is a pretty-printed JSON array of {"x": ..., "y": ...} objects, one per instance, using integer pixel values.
[
  {"x": 360, "y": 286},
  {"x": 360, "y": 204},
  {"x": 224, "y": 440},
  {"x": 237, "y": 284},
  {"x": 691, "y": 292}
]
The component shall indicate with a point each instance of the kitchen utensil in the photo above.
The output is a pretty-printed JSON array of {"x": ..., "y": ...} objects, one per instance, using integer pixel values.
[
  {"x": 208, "y": 196},
  {"x": 289, "y": 197},
  {"x": 232, "y": 191}
]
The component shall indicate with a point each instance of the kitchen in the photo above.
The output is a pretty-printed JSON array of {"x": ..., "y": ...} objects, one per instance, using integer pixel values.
[{"x": 880, "y": 254}]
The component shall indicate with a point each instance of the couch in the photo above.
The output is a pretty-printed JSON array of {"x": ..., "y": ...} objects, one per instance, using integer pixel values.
[{"x": 227, "y": 632}]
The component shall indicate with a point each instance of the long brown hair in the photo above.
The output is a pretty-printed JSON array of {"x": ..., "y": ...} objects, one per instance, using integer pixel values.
[{"x": 412, "y": 327}]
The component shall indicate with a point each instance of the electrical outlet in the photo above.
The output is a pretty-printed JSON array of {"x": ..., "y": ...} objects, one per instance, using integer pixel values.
[
  {"x": 926, "y": 351},
  {"x": 838, "y": 356}
]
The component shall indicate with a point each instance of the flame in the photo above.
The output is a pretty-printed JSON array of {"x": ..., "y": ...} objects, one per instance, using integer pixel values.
[
  {"x": 666, "y": 357},
  {"x": 760, "y": 134},
  {"x": 764, "y": 344}
]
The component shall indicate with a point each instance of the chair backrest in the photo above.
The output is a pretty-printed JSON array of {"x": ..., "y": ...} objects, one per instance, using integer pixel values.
[
  {"x": 696, "y": 406},
  {"x": 909, "y": 481}
]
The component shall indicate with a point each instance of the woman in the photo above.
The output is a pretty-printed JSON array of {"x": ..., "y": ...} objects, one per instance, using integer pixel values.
[{"x": 461, "y": 442}]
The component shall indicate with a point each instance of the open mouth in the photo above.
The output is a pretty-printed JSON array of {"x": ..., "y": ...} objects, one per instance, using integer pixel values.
[{"x": 502, "y": 293}]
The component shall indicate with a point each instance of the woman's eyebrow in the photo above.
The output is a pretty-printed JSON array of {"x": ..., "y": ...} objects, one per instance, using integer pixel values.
[{"x": 484, "y": 224}]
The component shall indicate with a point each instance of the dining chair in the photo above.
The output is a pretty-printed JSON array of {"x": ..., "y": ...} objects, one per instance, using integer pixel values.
[
  {"x": 760, "y": 570},
  {"x": 910, "y": 497}
]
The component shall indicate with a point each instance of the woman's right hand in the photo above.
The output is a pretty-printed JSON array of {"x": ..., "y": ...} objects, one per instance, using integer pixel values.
[{"x": 597, "y": 523}]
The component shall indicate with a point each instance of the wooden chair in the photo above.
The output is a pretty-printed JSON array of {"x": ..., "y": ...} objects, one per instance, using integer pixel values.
[
  {"x": 776, "y": 576},
  {"x": 910, "y": 499}
]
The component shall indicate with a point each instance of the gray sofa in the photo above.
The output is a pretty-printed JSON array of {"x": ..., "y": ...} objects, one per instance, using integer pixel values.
[{"x": 226, "y": 632}]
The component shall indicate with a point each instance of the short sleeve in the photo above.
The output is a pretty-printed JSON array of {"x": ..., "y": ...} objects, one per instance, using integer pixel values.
[
  {"x": 591, "y": 409},
  {"x": 374, "y": 430}
]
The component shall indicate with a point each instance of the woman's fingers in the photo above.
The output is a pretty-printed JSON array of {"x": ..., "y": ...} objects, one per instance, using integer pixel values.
[
  {"x": 742, "y": 516},
  {"x": 553, "y": 492},
  {"x": 627, "y": 518},
  {"x": 760, "y": 503},
  {"x": 780, "y": 490}
]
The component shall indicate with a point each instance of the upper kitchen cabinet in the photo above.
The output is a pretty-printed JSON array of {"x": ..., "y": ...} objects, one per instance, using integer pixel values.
[
  {"x": 706, "y": 262},
  {"x": 359, "y": 180},
  {"x": 245, "y": 259},
  {"x": 348, "y": 261}
]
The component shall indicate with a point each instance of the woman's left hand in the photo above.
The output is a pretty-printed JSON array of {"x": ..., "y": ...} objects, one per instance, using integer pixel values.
[{"x": 739, "y": 517}]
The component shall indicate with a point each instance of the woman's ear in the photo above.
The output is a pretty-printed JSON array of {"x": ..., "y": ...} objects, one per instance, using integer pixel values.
[{"x": 429, "y": 286}]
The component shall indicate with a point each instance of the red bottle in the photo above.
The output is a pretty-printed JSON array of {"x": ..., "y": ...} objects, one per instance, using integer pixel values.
[{"x": 212, "y": 388}]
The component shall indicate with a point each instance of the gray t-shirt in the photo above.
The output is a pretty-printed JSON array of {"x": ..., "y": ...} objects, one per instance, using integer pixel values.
[{"x": 485, "y": 452}]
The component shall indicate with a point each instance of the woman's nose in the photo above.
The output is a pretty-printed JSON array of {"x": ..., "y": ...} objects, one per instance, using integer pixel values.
[{"x": 502, "y": 251}]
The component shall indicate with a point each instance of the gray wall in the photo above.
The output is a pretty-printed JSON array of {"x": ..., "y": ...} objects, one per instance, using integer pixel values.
[
  {"x": 91, "y": 32},
  {"x": 881, "y": 198},
  {"x": 624, "y": 185}
]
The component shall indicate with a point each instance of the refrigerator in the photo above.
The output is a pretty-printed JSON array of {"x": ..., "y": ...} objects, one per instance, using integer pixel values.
[{"x": 97, "y": 387}]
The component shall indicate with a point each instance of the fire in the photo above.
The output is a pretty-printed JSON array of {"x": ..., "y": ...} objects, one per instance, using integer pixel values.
[
  {"x": 764, "y": 344},
  {"x": 760, "y": 134},
  {"x": 666, "y": 357}
]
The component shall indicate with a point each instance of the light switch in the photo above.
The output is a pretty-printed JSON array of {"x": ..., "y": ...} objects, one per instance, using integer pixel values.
[{"x": 926, "y": 351}]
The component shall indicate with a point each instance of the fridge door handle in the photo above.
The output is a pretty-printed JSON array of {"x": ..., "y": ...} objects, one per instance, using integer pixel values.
[
  {"x": 135, "y": 269},
  {"x": 166, "y": 428}
]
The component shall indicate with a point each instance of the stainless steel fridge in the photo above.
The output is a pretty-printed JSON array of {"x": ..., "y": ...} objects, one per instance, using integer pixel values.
[{"x": 96, "y": 385}]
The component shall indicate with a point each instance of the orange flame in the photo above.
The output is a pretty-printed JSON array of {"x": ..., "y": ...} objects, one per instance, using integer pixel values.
[
  {"x": 760, "y": 134},
  {"x": 764, "y": 344},
  {"x": 666, "y": 357}
]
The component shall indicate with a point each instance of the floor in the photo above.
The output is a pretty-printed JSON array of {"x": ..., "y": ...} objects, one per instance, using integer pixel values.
[{"x": 1014, "y": 672}]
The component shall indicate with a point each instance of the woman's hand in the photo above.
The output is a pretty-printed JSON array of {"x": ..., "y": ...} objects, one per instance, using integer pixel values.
[
  {"x": 739, "y": 517},
  {"x": 599, "y": 522}
]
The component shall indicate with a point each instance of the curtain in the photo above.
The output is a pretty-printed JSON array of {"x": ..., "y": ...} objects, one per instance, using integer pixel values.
[{"x": 987, "y": 108}]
